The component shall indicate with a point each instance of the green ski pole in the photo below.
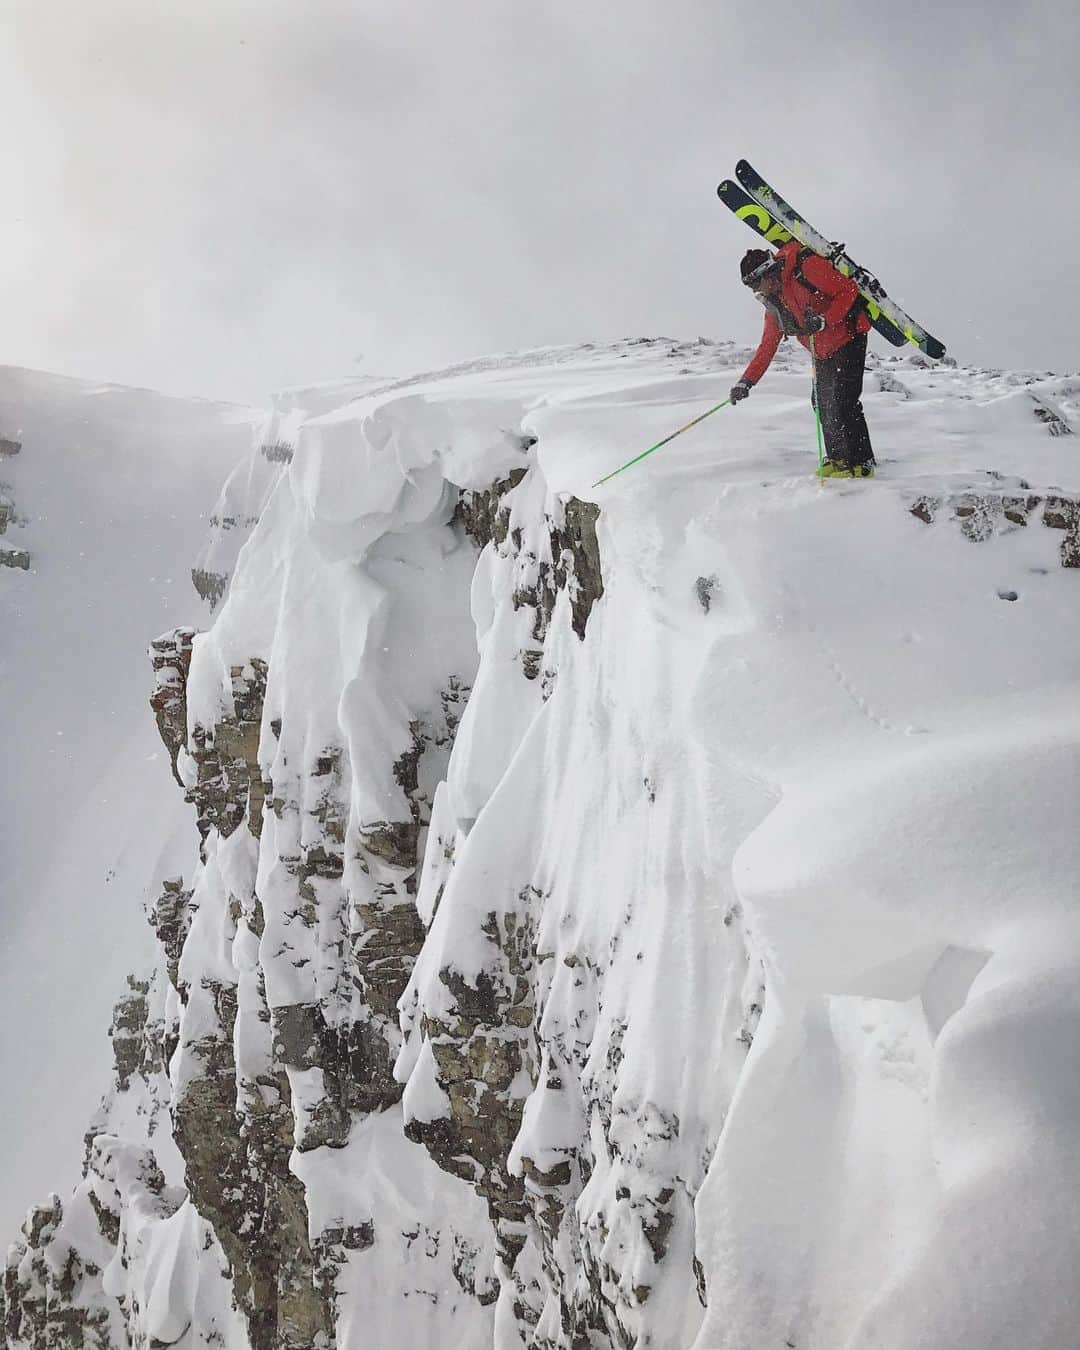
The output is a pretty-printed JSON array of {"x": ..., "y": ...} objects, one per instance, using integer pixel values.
[
  {"x": 817, "y": 410},
  {"x": 663, "y": 442}
]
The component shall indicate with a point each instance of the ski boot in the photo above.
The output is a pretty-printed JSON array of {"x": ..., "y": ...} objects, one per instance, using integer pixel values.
[{"x": 833, "y": 468}]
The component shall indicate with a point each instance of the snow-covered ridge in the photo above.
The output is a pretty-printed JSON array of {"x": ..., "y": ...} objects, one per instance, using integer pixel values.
[{"x": 624, "y": 916}]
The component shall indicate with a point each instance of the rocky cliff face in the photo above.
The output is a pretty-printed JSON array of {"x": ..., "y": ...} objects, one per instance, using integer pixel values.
[
  {"x": 525, "y": 1055},
  {"x": 253, "y": 1080},
  {"x": 311, "y": 897}
]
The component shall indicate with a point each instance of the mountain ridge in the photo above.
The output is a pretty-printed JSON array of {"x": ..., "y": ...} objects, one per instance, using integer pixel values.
[{"x": 674, "y": 818}]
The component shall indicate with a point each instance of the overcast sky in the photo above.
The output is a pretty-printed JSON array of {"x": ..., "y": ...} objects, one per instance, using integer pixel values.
[{"x": 222, "y": 198}]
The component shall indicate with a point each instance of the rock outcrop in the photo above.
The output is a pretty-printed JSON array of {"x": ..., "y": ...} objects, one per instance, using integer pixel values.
[{"x": 982, "y": 514}]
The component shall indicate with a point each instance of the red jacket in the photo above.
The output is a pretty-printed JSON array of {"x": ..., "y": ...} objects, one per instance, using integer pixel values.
[{"x": 828, "y": 293}]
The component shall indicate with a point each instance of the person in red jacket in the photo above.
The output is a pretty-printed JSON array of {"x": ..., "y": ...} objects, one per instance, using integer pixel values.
[{"x": 807, "y": 298}]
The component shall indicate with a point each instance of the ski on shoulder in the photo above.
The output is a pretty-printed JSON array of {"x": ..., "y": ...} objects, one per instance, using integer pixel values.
[
  {"x": 894, "y": 323},
  {"x": 752, "y": 213}
]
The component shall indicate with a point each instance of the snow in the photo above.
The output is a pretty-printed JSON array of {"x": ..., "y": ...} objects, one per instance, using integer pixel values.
[{"x": 792, "y": 832}]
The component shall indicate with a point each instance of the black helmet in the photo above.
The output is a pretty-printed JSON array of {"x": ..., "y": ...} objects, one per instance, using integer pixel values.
[{"x": 756, "y": 264}]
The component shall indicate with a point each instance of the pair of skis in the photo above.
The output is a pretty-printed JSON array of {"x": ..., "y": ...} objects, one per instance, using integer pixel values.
[{"x": 766, "y": 212}]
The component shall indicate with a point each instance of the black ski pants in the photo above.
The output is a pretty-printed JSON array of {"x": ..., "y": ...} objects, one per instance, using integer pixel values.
[{"x": 839, "y": 396}]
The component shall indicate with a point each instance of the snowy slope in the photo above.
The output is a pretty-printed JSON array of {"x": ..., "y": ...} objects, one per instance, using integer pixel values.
[
  {"x": 716, "y": 829},
  {"x": 111, "y": 490}
]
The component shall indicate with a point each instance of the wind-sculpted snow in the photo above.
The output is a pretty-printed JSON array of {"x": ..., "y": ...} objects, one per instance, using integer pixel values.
[{"x": 636, "y": 916}]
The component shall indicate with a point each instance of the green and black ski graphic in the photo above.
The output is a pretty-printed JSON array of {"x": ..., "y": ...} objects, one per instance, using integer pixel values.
[
  {"x": 755, "y": 215},
  {"x": 785, "y": 215}
]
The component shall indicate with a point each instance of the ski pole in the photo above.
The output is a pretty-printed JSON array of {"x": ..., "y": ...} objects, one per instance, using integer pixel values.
[
  {"x": 663, "y": 442},
  {"x": 817, "y": 409}
]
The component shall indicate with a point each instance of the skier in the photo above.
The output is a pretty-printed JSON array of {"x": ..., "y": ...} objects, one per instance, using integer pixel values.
[{"x": 806, "y": 297}]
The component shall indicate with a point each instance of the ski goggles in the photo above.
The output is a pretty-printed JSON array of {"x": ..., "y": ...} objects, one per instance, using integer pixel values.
[{"x": 760, "y": 272}]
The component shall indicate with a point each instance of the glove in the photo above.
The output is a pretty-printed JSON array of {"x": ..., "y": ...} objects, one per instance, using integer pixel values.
[
  {"x": 739, "y": 391},
  {"x": 814, "y": 323}
]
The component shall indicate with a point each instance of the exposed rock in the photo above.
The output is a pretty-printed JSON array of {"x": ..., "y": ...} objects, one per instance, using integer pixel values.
[
  {"x": 127, "y": 1031},
  {"x": 355, "y": 1061},
  {"x": 566, "y": 558},
  {"x": 1049, "y": 416},
  {"x": 981, "y": 515},
  {"x": 394, "y": 841},
  {"x": 1063, "y": 513},
  {"x": 171, "y": 919},
  {"x": 575, "y": 546},
  {"x": 210, "y": 585},
  {"x": 703, "y": 589},
  {"x": 479, "y": 512},
  {"x": 170, "y": 656},
  {"x": 228, "y": 787},
  {"x": 571, "y": 560},
  {"x": 17, "y": 558},
  {"x": 278, "y": 452},
  {"x": 236, "y": 1137},
  {"x": 482, "y": 1050},
  {"x": 237, "y": 1168}
]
